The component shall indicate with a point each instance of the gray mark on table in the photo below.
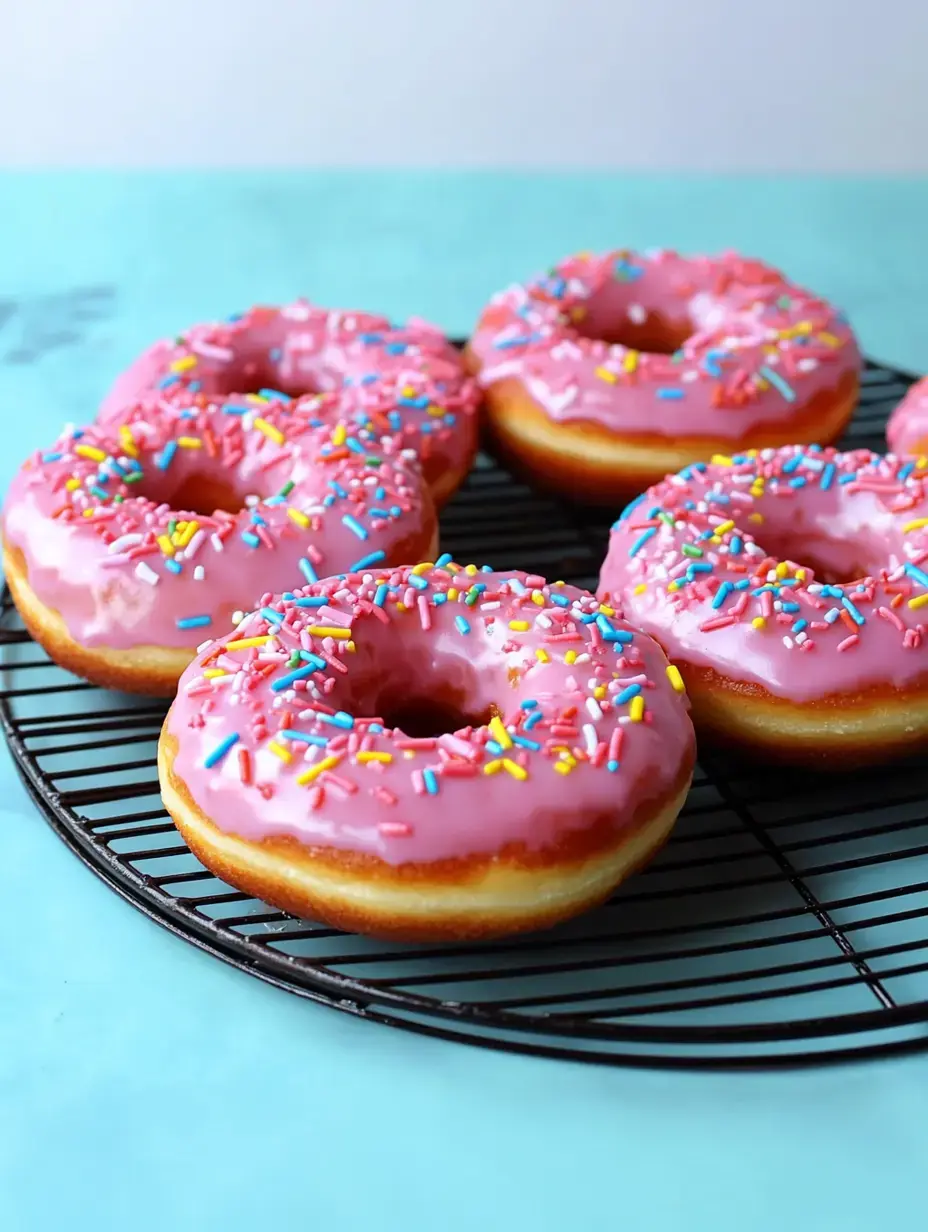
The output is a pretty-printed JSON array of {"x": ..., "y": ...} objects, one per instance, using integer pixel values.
[{"x": 33, "y": 326}]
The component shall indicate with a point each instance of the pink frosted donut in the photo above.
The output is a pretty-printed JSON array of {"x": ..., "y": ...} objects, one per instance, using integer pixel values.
[
  {"x": 824, "y": 659},
  {"x": 610, "y": 371},
  {"x": 407, "y": 381},
  {"x": 428, "y": 752},
  {"x": 119, "y": 571},
  {"x": 907, "y": 430}
]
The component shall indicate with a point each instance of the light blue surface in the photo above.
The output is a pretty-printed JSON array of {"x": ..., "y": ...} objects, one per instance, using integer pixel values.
[{"x": 144, "y": 1085}]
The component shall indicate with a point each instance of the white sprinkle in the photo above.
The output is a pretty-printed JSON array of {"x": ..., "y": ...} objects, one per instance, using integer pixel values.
[
  {"x": 199, "y": 573},
  {"x": 593, "y": 708},
  {"x": 589, "y": 735},
  {"x": 146, "y": 573},
  {"x": 637, "y": 313},
  {"x": 215, "y": 541}
]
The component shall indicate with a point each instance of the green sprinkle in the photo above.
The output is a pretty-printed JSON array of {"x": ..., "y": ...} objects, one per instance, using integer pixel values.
[{"x": 688, "y": 549}]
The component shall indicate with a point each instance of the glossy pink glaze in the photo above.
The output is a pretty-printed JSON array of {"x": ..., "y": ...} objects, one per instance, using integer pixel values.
[
  {"x": 456, "y": 795},
  {"x": 407, "y": 380},
  {"x": 760, "y": 348},
  {"x": 683, "y": 559},
  {"x": 100, "y": 549},
  {"x": 907, "y": 430}
]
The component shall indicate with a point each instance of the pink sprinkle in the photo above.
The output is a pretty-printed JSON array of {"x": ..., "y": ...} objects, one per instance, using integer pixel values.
[
  {"x": 418, "y": 782},
  {"x": 888, "y": 614},
  {"x": 386, "y": 797},
  {"x": 615, "y": 743},
  {"x": 719, "y": 622},
  {"x": 425, "y": 616},
  {"x": 395, "y": 829},
  {"x": 848, "y": 642}
]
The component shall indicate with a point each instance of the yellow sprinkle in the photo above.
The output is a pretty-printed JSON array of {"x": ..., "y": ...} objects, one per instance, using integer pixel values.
[
  {"x": 916, "y": 525},
  {"x": 919, "y": 600},
  {"x": 88, "y": 513},
  {"x": 493, "y": 767},
  {"x": 184, "y": 364},
  {"x": 470, "y": 570},
  {"x": 243, "y": 643},
  {"x": 327, "y": 763},
  {"x": 340, "y": 434},
  {"x": 424, "y": 567},
  {"x": 296, "y": 516},
  {"x": 724, "y": 527},
  {"x": 435, "y": 410},
  {"x": 599, "y": 692},
  {"x": 270, "y": 431},
  {"x": 782, "y": 569},
  {"x": 451, "y": 567},
  {"x": 90, "y": 451},
  {"x": 538, "y": 597},
  {"x": 513, "y": 767},
  {"x": 280, "y": 751},
  {"x": 800, "y": 575},
  {"x": 128, "y": 442},
  {"x": 350, "y": 647},
  {"x": 401, "y": 607},
  {"x": 499, "y": 733},
  {"x": 640, "y": 588},
  {"x": 72, "y": 484},
  {"x": 759, "y": 622},
  {"x": 570, "y": 656},
  {"x": 676, "y": 680},
  {"x": 671, "y": 586},
  {"x": 520, "y": 626},
  {"x": 630, "y": 362},
  {"x": 190, "y": 442},
  {"x": 409, "y": 391},
  {"x": 719, "y": 459},
  {"x": 606, "y": 610},
  {"x": 542, "y": 655},
  {"x": 341, "y": 635},
  {"x": 829, "y": 339},
  {"x": 605, "y": 375},
  {"x": 165, "y": 544},
  {"x": 453, "y": 594},
  {"x": 636, "y": 709},
  {"x": 190, "y": 529},
  {"x": 755, "y": 517},
  {"x": 371, "y": 755},
  {"x": 921, "y": 463},
  {"x": 212, "y": 673},
  {"x": 563, "y": 767}
]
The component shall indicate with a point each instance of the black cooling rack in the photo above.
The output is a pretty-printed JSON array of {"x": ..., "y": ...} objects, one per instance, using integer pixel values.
[{"x": 786, "y": 922}]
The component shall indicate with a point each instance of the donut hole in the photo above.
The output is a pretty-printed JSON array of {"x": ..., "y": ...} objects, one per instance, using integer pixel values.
[
  {"x": 615, "y": 315},
  {"x": 834, "y": 560},
  {"x": 252, "y": 375},
  {"x": 207, "y": 494},
  {"x": 424, "y": 717}
]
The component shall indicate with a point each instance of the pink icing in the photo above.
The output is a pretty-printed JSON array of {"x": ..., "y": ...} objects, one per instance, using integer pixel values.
[
  {"x": 406, "y": 380},
  {"x": 684, "y": 560},
  {"x": 124, "y": 568},
  {"x": 589, "y": 721},
  {"x": 759, "y": 347},
  {"x": 907, "y": 430}
]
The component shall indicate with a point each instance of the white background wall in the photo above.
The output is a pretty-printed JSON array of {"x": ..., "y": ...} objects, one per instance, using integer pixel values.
[{"x": 814, "y": 85}]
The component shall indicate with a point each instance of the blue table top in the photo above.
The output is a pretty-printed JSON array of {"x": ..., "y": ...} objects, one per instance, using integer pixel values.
[{"x": 145, "y": 1084}]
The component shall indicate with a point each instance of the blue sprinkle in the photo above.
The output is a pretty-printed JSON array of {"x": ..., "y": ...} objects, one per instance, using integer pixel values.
[
  {"x": 919, "y": 574},
  {"x": 418, "y": 581},
  {"x": 560, "y": 600},
  {"x": 164, "y": 459},
  {"x": 832, "y": 615},
  {"x": 793, "y": 464},
  {"x": 99, "y": 493},
  {"x": 735, "y": 545},
  {"x": 194, "y": 622},
  {"x": 800, "y": 625},
  {"x": 380, "y": 594},
  {"x": 307, "y": 570},
  {"x": 220, "y": 751},
  {"x": 906, "y": 470},
  {"x": 339, "y": 719},
  {"x": 272, "y": 617},
  {"x": 286, "y": 681},
  {"x": 642, "y": 540},
  {"x": 528, "y": 704},
  {"x": 372, "y": 558},
  {"x": 525, "y": 743},
  {"x": 52, "y": 457},
  {"x": 778, "y": 383},
  {"x": 303, "y": 737},
  {"x": 789, "y": 607},
  {"x": 630, "y": 508},
  {"x": 856, "y": 616},
  {"x": 430, "y": 781},
  {"x": 444, "y": 559},
  {"x": 535, "y": 717},
  {"x": 612, "y": 766},
  {"x": 494, "y": 748},
  {"x": 318, "y": 663},
  {"x": 828, "y": 475},
  {"x": 311, "y": 601},
  {"x": 167, "y": 381},
  {"x": 627, "y": 694},
  {"x": 722, "y": 594},
  {"x": 173, "y": 565},
  {"x": 231, "y": 408},
  {"x": 251, "y": 538},
  {"x": 462, "y": 625},
  {"x": 274, "y": 395},
  {"x": 670, "y": 394}
]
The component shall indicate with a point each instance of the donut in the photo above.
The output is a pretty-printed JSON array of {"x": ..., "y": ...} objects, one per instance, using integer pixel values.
[
  {"x": 612, "y": 371},
  {"x": 408, "y": 381},
  {"x": 123, "y": 548},
  {"x": 907, "y": 430},
  {"x": 429, "y": 752},
  {"x": 790, "y": 588}
]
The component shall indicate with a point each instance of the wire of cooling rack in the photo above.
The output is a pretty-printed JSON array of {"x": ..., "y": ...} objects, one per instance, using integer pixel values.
[{"x": 786, "y": 922}]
